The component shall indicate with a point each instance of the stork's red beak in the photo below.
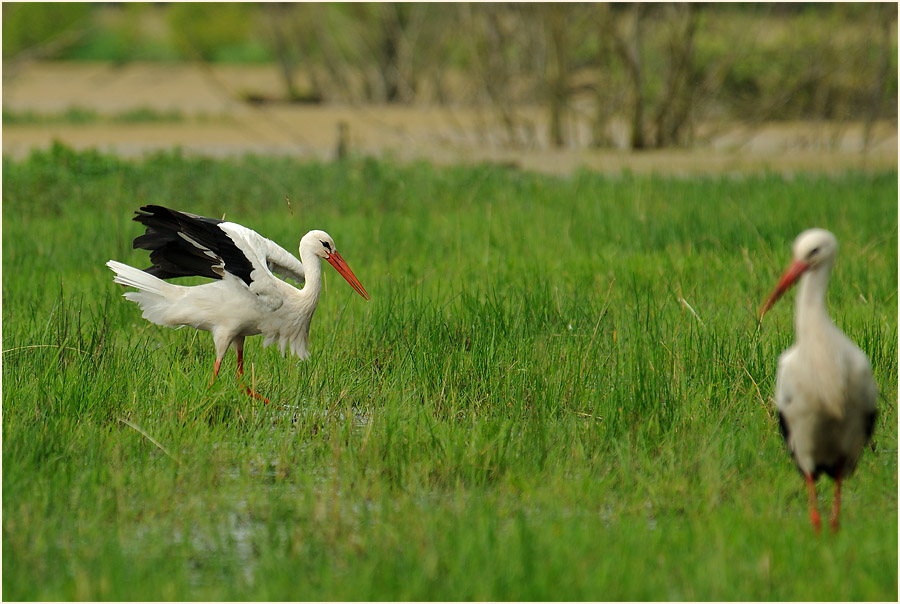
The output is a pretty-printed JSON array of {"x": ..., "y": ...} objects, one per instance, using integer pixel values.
[
  {"x": 340, "y": 266},
  {"x": 793, "y": 273}
]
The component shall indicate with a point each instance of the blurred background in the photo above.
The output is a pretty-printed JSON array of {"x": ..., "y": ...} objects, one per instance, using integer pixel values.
[{"x": 552, "y": 87}]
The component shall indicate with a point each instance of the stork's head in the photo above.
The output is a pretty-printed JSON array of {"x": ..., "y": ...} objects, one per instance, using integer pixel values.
[
  {"x": 320, "y": 243},
  {"x": 813, "y": 249}
]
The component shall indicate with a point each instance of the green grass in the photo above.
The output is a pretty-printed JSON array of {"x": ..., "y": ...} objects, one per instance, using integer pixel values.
[
  {"x": 78, "y": 116},
  {"x": 526, "y": 409}
]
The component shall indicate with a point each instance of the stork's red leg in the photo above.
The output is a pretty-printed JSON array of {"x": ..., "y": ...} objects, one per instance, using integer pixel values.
[
  {"x": 247, "y": 389},
  {"x": 836, "y": 511},
  {"x": 813, "y": 512},
  {"x": 256, "y": 394}
]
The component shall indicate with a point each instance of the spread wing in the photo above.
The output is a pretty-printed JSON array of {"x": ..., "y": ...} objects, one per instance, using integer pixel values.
[{"x": 183, "y": 244}]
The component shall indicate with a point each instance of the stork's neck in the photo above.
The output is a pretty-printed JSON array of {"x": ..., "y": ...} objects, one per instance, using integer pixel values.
[
  {"x": 812, "y": 322},
  {"x": 312, "y": 266}
]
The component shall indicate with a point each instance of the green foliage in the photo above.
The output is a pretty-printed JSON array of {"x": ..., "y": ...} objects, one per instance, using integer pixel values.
[
  {"x": 559, "y": 390},
  {"x": 804, "y": 64},
  {"x": 203, "y": 30},
  {"x": 30, "y": 24}
]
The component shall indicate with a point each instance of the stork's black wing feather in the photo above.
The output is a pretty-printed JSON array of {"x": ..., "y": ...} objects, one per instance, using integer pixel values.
[
  {"x": 870, "y": 423},
  {"x": 185, "y": 245},
  {"x": 785, "y": 431}
]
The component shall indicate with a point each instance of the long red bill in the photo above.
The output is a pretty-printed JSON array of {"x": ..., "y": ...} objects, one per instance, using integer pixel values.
[
  {"x": 341, "y": 266},
  {"x": 792, "y": 273}
]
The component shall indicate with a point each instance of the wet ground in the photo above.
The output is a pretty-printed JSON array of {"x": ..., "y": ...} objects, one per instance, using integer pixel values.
[{"x": 214, "y": 121}]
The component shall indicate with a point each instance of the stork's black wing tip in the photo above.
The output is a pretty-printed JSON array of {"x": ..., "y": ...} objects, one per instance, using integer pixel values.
[
  {"x": 148, "y": 211},
  {"x": 185, "y": 244}
]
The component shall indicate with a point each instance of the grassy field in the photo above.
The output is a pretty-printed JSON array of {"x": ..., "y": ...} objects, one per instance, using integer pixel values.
[{"x": 559, "y": 390}]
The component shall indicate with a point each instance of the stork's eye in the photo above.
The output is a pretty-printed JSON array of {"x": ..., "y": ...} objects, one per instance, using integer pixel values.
[
  {"x": 326, "y": 245},
  {"x": 814, "y": 252}
]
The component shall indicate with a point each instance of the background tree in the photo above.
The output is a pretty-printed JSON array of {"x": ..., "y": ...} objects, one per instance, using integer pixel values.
[
  {"x": 627, "y": 33},
  {"x": 557, "y": 67},
  {"x": 665, "y": 71}
]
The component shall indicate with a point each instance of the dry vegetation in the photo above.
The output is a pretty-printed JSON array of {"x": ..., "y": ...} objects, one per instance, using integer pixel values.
[{"x": 540, "y": 86}]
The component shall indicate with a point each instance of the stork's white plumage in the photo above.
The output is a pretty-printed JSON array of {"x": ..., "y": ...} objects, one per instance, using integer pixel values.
[
  {"x": 246, "y": 298},
  {"x": 824, "y": 390}
]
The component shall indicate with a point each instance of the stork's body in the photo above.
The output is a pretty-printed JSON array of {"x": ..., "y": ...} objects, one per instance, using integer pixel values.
[
  {"x": 824, "y": 390},
  {"x": 246, "y": 298}
]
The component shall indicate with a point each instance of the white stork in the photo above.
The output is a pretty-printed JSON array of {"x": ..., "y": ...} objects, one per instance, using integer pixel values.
[
  {"x": 824, "y": 390},
  {"x": 246, "y": 298}
]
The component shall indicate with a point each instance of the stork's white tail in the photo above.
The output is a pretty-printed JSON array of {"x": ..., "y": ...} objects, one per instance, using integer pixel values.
[
  {"x": 155, "y": 296},
  {"x": 136, "y": 278}
]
